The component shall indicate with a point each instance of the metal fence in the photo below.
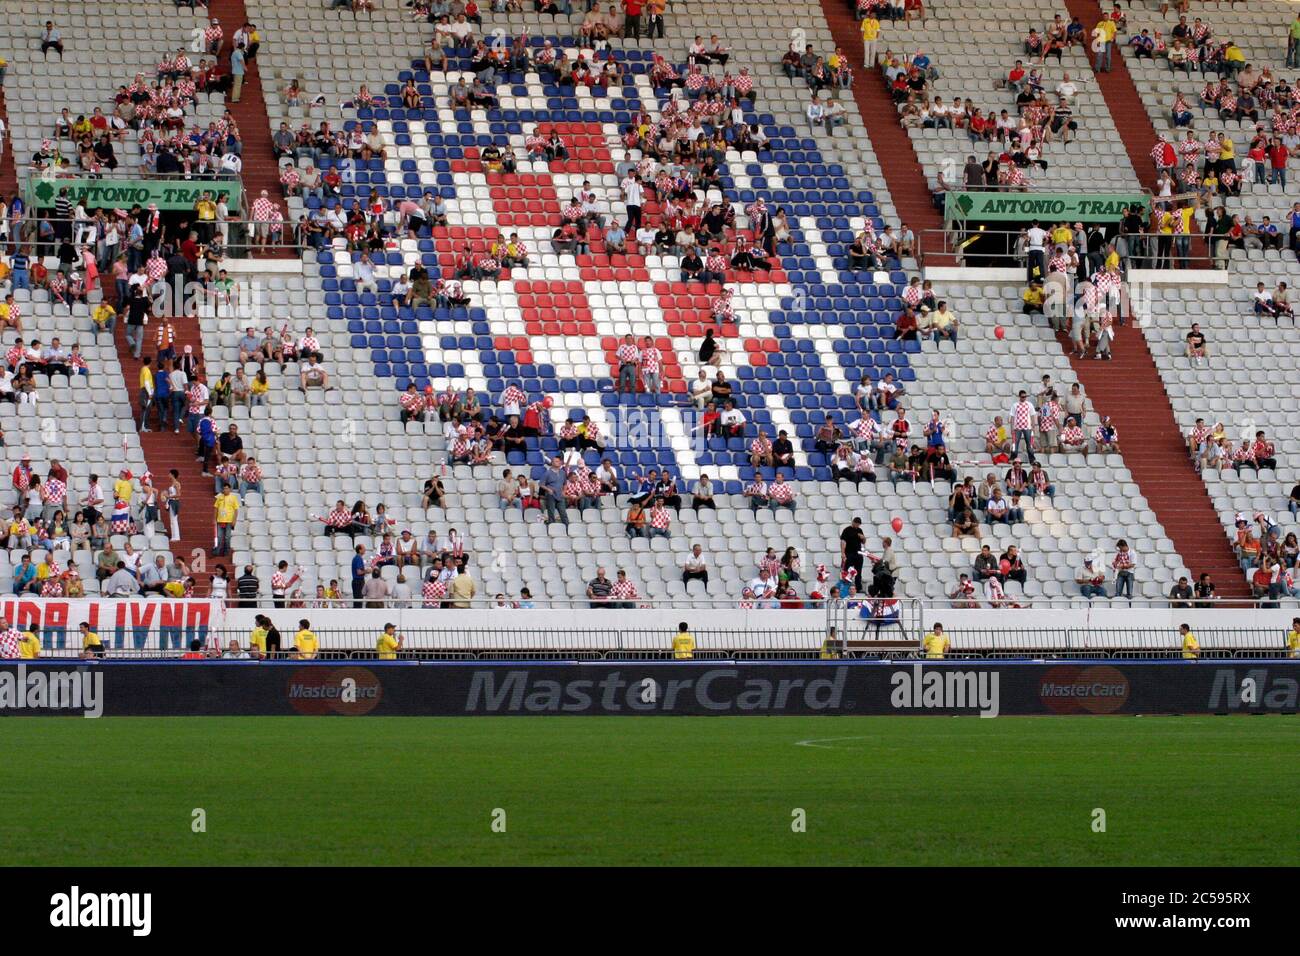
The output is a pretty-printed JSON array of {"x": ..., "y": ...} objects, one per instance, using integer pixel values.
[
  {"x": 997, "y": 248},
  {"x": 503, "y": 643},
  {"x": 239, "y": 238}
]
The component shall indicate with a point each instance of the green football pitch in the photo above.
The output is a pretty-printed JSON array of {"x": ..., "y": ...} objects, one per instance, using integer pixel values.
[{"x": 651, "y": 790}]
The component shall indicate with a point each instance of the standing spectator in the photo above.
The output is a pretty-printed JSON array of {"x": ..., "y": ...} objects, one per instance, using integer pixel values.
[
  {"x": 551, "y": 488},
  {"x": 853, "y": 542},
  {"x": 1023, "y": 416},
  {"x": 226, "y": 513},
  {"x": 632, "y": 18},
  {"x": 247, "y": 587},
  {"x": 1124, "y": 564},
  {"x": 237, "y": 70}
]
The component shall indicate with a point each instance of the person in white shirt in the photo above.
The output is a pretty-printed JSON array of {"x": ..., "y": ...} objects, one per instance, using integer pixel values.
[
  {"x": 762, "y": 586},
  {"x": 400, "y": 593},
  {"x": 834, "y": 116},
  {"x": 696, "y": 567},
  {"x": 701, "y": 390},
  {"x": 632, "y": 194},
  {"x": 231, "y": 163},
  {"x": 1037, "y": 245},
  {"x": 815, "y": 111},
  {"x": 364, "y": 274},
  {"x": 313, "y": 375},
  {"x": 1066, "y": 89},
  {"x": 732, "y": 419}
]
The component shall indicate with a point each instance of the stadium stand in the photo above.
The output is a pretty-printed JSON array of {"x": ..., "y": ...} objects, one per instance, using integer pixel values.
[
  {"x": 1239, "y": 336},
  {"x": 529, "y": 148}
]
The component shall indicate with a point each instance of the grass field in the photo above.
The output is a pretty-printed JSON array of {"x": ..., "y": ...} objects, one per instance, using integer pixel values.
[{"x": 651, "y": 790}]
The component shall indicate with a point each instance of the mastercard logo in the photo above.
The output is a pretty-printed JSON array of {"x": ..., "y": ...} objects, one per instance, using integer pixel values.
[
  {"x": 1099, "y": 689},
  {"x": 349, "y": 691}
]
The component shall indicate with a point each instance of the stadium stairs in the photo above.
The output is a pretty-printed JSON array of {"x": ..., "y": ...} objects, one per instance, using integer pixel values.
[
  {"x": 1130, "y": 390},
  {"x": 893, "y": 148},
  {"x": 260, "y": 169},
  {"x": 165, "y": 450},
  {"x": 1126, "y": 108},
  {"x": 8, "y": 168}
]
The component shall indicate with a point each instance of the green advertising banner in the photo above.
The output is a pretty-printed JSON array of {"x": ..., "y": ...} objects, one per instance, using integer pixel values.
[
  {"x": 168, "y": 194},
  {"x": 1021, "y": 207}
]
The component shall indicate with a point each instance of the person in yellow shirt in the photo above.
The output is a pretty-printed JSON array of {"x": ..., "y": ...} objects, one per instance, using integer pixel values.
[
  {"x": 91, "y": 645},
  {"x": 870, "y": 34},
  {"x": 1062, "y": 235},
  {"x": 206, "y": 210},
  {"x": 305, "y": 641},
  {"x": 105, "y": 319},
  {"x": 1293, "y": 635},
  {"x": 146, "y": 392},
  {"x": 123, "y": 489},
  {"x": 1227, "y": 148},
  {"x": 1191, "y": 646},
  {"x": 389, "y": 643},
  {"x": 936, "y": 644},
  {"x": 683, "y": 644},
  {"x": 226, "y": 511},
  {"x": 1103, "y": 42},
  {"x": 29, "y": 645},
  {"x": 1034, "y": 298},
  {"x": 257, "y": 638},
  {"x": 260, "y": 386}
]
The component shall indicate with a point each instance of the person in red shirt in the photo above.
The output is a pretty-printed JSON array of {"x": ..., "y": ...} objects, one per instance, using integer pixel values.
[
  {"x": 1278, "y": 154},
  {"x": 632, "y": 18},
  {"x": 905, "y": 328}
]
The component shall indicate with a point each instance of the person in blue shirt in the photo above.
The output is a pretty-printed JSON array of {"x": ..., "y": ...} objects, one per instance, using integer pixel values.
[
  {"x": 19, "y": 264},
  {"x": 358, "y": 574},
  {"x": 1269, "y": 237},
  {"x": 162, "y": 394},
  {"x": 207, "y": 442},
  {"x": 236, "y": 72},
  {"x": 24, "y": 575},
  {"x": 646, "y": 487}
]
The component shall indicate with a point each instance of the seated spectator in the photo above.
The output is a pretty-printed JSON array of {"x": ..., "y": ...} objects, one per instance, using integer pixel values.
[
  {"x": 965, "y": 524},
  {"x": 313, "y": 375},
  {"x": 1091, "y": 580}
]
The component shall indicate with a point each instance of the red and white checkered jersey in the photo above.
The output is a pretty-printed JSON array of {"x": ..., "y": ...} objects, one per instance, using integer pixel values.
[
  {"x": 780, "y": 491},
  {"x": 264, "y": 210},
  {"x": 53, "y": 491}
]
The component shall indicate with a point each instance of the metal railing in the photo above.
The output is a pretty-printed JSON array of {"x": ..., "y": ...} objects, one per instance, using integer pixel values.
[
  {"x": 994, "y": 248},
  {"x": 484, "y": 644},
  {"x": 240, "y": 237}
]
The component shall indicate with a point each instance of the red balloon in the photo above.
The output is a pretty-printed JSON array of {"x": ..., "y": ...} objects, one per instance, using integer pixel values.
[
  {"x": 999, "y": 333},
  {"x": 1004, "y": 565},
  {"x": 547, "y": 402},
  {"x": 897, "y": 525}
]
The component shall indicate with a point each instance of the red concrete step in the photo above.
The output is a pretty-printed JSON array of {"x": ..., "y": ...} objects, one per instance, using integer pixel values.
[
  {"x": 889, "y": 141},
  {"x": 1129, "y": 389},
  {"x": 260, "y": 170}
]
